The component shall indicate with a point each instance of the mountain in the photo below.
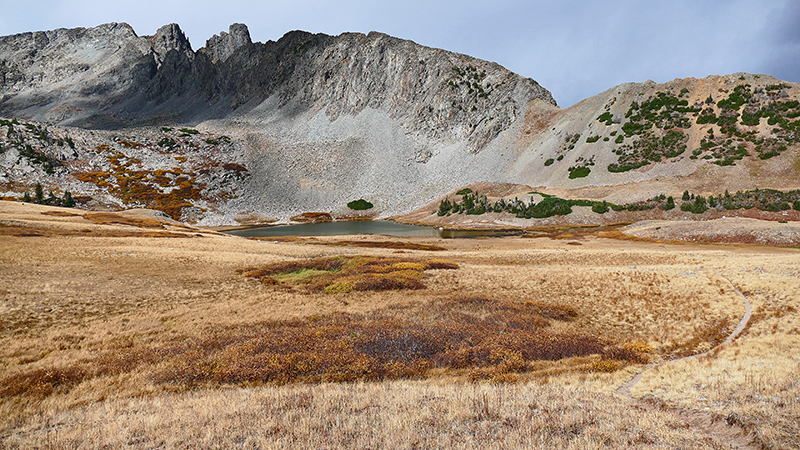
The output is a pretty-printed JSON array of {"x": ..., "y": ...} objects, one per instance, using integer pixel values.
[
  {"x": 108, "y": 77},
  {"x": 238, "y": 130}
]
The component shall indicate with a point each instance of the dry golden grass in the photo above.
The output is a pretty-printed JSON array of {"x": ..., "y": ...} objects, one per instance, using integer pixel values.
[
  {"x": 753, "y": 381},
  {"x": 391, "y": 415},
  {"x": 98, "y": 333},
  {"x": 109, "y": 218}
]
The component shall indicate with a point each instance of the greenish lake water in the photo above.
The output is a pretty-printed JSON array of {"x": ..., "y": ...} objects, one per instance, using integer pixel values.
[{"x": 369, "y": 227}]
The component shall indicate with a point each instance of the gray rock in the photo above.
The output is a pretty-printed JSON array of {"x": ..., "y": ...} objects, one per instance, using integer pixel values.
[
  {"x": 221, "y": 46},
  {"x": 108, "y": 77},
  {"x": 170, "y": 38}
]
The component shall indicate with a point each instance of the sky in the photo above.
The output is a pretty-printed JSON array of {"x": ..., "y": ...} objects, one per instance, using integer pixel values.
[{"x": 574, "y": 48}]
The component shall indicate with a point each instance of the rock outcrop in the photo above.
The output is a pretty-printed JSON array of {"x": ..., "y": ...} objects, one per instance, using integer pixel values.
[
  {"x": 221, "y": 46},
  {"x": 170, "y": 38}
]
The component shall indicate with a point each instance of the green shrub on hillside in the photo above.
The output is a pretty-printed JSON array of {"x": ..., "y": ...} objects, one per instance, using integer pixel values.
[
  {"x": 606, "y": 117},
  {"x": 600, "y": 207},
  {"x": 579, "y": 172},
  {"x": 698, "y": 206},
  {"x": 359, "y": 205}
]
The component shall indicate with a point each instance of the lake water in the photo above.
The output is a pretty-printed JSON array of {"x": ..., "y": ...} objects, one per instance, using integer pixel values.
[{"x": 368, "y": 227}]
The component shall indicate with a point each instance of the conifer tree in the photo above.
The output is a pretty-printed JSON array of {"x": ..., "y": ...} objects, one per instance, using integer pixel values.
[{"x": 39, "y": 192}]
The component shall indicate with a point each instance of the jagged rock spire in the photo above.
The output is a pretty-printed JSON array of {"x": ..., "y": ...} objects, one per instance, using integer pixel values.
[
  {"x": 221, "y": 46},
  {"x": 169, "y": 37}
]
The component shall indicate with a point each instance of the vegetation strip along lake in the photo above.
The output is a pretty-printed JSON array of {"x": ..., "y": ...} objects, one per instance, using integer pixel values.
[{"x": 368, "y": 227}]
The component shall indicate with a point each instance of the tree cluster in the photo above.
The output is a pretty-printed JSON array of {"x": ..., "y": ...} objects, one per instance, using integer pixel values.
[{"x": 52, "y": 200}]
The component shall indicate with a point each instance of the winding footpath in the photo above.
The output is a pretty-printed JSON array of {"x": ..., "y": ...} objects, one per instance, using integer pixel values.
[{"x": 727, "y": 431}]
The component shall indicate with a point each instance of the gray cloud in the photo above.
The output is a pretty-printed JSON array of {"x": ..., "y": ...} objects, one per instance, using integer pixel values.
[
  {"x": 575, "y": 48},
  {"x": 782, "y": 59}
]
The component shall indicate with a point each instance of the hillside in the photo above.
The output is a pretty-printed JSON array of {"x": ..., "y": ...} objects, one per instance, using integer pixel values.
[
  {"x": 721, "y": 132},
  {"x": 238, "y": 129}
]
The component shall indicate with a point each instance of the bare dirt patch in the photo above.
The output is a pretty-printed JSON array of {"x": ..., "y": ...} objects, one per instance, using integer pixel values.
[{"x": 720, "y": 231}]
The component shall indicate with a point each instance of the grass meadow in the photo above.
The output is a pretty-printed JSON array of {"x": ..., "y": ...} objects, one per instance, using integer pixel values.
[{"x": 111, "y": 338}]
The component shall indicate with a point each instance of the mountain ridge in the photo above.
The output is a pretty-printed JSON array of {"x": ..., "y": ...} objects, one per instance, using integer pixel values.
[
  {"x": 182, "y": 85},
  {"x": 318, "y": 121}
]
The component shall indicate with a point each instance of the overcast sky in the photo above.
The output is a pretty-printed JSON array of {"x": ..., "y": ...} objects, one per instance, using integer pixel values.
[{"x": 574, "y": 48}]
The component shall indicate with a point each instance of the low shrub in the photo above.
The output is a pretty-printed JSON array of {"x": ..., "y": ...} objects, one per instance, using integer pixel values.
[
  {"x": 605, "y": 365},
  {"x": 339, "y": 287},
  {"x": 579, "y": 172},
  {"x": 600, "y": 207},
  {"x": 443, "y": 264},
  {"x": 698, "y": 206},
  {"x": 168, "y": 143},
  {"x": 351, "y": 273},
  {"x": 359, "y": 205},
  {"x": 606, "y": 117},
  {"x": 484, "y": 338}
]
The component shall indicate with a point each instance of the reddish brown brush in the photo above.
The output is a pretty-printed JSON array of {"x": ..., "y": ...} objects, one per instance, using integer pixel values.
[
  {"x": 312, "y": 217},
  {"x": 24, "y": 231},
  {"x": 488, "y": 338},
  {"x": 344, "y": 347},
  {"x": 41, "y": 383},
  {"x": 326, "y": 264},
  {"x": 59, "y": 214}
]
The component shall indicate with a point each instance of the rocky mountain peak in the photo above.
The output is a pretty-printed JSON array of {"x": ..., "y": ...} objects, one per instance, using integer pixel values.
[
  {"x": 169, "y": 37},
  {"x": 221, "y": 46}
]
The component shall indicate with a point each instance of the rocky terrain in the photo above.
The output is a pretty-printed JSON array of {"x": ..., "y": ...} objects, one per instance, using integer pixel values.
[{"x": 238, "y": 131}]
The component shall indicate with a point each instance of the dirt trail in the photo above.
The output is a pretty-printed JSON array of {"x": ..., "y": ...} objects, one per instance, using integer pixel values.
[{"x": 716, "y": 426}]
